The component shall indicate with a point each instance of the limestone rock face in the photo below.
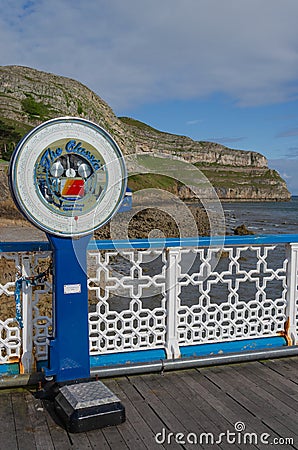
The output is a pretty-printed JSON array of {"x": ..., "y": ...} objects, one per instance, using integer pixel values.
[
  {"x": 28, "y": 97},
  {"x": 150, "y": 140}
]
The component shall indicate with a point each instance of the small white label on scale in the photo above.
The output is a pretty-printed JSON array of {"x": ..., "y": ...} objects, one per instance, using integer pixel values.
[{"x": 72, "y": 289}]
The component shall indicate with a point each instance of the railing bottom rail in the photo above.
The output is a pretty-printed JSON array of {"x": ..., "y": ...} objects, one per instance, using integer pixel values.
[{"x": 188, "y": 363}]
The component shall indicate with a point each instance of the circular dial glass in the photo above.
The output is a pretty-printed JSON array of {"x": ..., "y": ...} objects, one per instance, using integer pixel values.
[{"x": 68, "y": 176}]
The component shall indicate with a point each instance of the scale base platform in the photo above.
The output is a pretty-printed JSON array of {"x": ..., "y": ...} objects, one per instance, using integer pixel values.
[{"x": 87, "y": 406}]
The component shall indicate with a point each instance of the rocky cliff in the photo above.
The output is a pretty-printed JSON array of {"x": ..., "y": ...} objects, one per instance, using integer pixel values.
[
  {"x": 29, "y": 97},
  {"x": 147, "y": 139}
]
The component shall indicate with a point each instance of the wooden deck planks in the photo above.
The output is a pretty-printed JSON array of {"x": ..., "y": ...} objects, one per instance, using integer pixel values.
[
  {"x": 279, "y": 395},
  {"x": 261, "y": 414},
  {"x": 283, "y": 417},
  {"x": 23, "y": 426},
  {"x": 151, "y": 396},
  {"x": 227, "y": 407},
  {"x": 207, "y": 417},
  {"x": 284, "y": 367},
  {"x": 38, "y": 421},
  {"x": 58, "y": 435},
  {"x": 262, "y": 395},
  {"x": 272, "y": 397},
  {"x": 185, "y": 419},
  {"x": 141, "y": 419},
  {"x": 271, "y": 377},
  {"x": 186, "y": 405},
  {"x": 8, "y": 433}
]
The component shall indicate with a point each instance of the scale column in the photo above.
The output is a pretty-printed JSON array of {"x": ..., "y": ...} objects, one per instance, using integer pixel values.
[{"x": 69, "y": 346}]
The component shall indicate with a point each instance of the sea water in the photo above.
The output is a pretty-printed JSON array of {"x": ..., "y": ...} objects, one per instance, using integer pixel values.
[{"x": 263, "y": 217}]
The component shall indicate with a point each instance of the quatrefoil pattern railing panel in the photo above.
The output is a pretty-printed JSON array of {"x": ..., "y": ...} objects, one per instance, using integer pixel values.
[
  {"x": 237, "y": 294},
  {"x": 10, "y": 333},
  {"x": 10, "y": 341},
  {"x": 127, "y": 301}
]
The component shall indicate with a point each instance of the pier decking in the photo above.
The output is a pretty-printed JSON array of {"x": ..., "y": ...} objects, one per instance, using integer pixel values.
[{"x": 248, "y": 405}]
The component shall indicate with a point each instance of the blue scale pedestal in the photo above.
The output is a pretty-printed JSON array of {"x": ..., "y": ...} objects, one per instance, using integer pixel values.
[
  {"x": 69, "y": 347},
  {"x": 82, "y": 405}
]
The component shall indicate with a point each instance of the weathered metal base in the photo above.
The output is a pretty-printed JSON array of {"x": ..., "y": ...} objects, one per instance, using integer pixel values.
[{"x": 88, "y": 406}]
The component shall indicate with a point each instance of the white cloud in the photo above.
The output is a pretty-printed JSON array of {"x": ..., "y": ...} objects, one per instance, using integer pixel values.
[
  {"x": 193, "y": 122},
  {"x": 286, "y": 176},
  {"x": 132, "y": 52},
  {"x": 226, "y": 139},
  {"x": 288, "y": 133}
]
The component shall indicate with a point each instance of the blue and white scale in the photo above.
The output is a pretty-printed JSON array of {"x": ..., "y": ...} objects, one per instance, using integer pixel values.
[{"x": 68, "y": 177}]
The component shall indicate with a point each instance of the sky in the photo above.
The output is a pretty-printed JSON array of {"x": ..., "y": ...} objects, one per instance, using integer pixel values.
[{"x": 216, "y": 70}]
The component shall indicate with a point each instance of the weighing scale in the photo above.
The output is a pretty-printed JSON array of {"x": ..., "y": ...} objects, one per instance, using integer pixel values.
[{"x": 68, "y": 178}]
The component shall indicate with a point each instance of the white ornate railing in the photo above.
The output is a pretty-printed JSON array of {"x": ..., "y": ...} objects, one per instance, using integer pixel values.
[{"x": 172, "y": 297}]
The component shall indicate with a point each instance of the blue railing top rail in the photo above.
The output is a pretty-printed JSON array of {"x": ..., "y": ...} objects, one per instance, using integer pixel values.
[{"x": 201, "y": 241}]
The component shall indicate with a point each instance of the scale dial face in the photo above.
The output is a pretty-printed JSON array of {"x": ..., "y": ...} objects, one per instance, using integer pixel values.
[{"x": 68, "y": 176}]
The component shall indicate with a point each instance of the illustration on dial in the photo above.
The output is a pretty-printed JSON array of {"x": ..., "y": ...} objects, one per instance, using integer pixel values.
[{"x": 69, "y": 177}]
